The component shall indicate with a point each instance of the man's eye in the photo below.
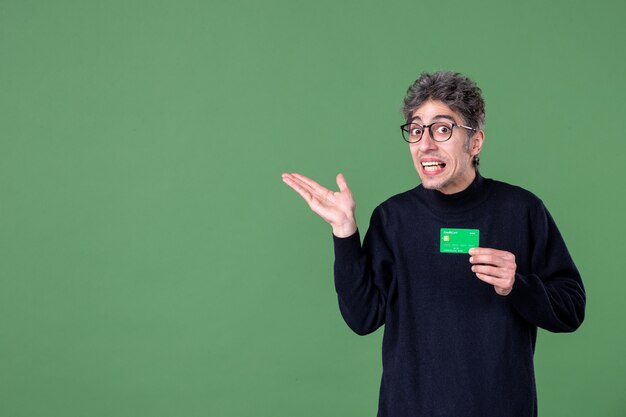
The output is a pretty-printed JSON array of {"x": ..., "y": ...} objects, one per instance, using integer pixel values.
[
  {"x": 443, "y": 129},
  {"x": 416, "y": 131}
]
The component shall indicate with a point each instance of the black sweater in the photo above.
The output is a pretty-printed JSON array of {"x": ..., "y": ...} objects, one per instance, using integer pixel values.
[{"x": 452, "y": 346}]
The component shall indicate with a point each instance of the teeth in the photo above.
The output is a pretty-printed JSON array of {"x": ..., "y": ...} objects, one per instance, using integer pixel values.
[{"x": 432, "y": 166}]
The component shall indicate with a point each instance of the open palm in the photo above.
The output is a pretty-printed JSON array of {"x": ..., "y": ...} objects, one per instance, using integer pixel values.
[{"x": 336, "y": 208}]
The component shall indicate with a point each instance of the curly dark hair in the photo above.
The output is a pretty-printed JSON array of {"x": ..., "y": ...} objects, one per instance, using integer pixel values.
[{"x": 458, "y": 92}]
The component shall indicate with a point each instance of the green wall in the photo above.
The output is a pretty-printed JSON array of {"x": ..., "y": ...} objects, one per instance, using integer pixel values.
[{"x": 152, "y": 263}]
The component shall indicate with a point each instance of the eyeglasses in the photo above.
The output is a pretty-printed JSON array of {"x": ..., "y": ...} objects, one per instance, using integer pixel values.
[{"x": 439, "y": 131}]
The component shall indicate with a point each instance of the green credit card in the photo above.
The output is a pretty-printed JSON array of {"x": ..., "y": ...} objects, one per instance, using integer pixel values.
[{"x": 458, "y": 240}]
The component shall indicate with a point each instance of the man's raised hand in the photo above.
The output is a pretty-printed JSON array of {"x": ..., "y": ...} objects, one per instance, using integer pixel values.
[{"x": 336, "y": 208}]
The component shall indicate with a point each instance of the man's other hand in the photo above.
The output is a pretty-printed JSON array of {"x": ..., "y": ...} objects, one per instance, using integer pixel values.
[{"x": 336, "y": 208}]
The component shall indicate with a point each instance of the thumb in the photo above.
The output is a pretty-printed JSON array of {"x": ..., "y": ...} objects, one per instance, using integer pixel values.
[{"x": 341, "y": 182}]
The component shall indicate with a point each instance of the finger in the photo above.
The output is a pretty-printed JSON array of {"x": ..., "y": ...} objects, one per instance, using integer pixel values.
[
  {"x": 495, "y": 272},
  {"x": 314, "y": 186},
  {"x": 495, "y": 281},
  {"x": 297, "y": 178},
  {"x": 502, "y": 287},
  {"x": 489, "y": 251},
  {"x": 342, "y": 184},
  {"x": 488, "y": 279},
  {"x": 297, "y": 187},
  {"x": 317, "y": 193},
  {"x": 489, "y": 260}
]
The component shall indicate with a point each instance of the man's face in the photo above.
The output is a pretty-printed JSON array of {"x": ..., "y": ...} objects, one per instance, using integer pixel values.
[{"x": 444, "y": 166}]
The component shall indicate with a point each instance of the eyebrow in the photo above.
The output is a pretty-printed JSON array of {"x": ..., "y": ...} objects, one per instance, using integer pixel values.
[{"x": 439, "y": 116}]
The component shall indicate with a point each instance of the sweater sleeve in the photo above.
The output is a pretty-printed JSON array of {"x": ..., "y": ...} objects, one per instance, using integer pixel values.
[
  {"x": 551, "y": 295},
  {"x": 362, "y": 277}
]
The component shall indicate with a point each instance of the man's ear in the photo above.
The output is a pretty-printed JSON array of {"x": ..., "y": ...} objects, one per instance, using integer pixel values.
[{"x": 476, "y": 143}]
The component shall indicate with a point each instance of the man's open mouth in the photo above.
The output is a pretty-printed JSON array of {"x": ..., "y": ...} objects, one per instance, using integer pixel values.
[{"x": 432, "y": 166}]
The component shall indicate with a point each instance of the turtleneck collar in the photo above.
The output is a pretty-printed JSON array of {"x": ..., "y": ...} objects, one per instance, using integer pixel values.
[{"x": 459, "y": 202}]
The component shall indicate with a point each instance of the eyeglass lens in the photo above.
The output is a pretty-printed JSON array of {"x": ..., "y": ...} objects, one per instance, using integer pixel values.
[{"x": 440, "y": 132}]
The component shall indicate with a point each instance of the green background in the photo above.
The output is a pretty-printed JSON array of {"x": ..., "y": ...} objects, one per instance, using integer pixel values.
[{"x": 152, "y": 263}]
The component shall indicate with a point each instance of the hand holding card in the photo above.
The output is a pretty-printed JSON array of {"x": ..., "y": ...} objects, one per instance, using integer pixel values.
[{"x": 495, "y": 267}]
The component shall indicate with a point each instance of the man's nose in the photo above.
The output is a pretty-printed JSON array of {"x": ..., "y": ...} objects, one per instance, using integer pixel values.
[{"x": 427, "y": 142}]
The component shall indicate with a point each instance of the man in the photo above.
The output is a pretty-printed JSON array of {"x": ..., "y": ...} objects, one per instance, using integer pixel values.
[{"x": 460, "y": 330}]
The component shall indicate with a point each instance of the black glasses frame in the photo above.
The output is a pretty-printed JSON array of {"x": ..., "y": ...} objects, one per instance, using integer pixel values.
[{"x": 406, "y": 134}]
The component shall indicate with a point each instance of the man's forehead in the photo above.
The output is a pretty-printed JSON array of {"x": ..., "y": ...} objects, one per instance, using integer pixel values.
[
  {"x": 432, "y": 109},
  {"x": 436, "y": 117}
]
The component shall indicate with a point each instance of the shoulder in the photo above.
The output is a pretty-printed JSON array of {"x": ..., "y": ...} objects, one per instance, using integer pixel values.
[{"x": 505, "y": 193}]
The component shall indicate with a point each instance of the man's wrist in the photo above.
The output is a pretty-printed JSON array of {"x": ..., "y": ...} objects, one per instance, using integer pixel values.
[{"x": 345, "y": 229}]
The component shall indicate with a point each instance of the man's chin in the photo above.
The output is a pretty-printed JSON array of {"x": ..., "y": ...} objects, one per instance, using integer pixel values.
[{"x": 432, "y": 184}]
